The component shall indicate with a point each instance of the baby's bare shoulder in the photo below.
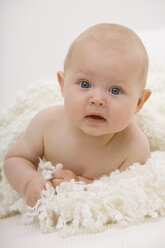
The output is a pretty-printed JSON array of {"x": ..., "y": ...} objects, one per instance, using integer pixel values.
[
  {"x": 137, "y": 146},
  {"x": 30, "y": 145},
  {"x": 46, "y": 117},
  {"x": 50, "y": 113},
  {"x": 51, "y": 118},
  {"x": 137, "y": 138}
]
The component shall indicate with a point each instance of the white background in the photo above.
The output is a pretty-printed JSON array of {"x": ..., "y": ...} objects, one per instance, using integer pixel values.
[{"x": 35, "y": 34}]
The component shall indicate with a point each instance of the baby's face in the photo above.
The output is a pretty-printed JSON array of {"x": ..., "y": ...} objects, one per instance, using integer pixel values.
[{"x": 101, "y": 88}]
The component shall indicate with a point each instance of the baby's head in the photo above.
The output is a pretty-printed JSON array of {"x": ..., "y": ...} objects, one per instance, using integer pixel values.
[
  {"x": 112, "y": 36},
  {"x": 109, "y": 63}
]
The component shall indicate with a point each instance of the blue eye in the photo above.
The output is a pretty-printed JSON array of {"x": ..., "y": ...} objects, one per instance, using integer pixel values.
[
  {"x": 115, "y": 91},
  {"x": 84, "y": 84}
]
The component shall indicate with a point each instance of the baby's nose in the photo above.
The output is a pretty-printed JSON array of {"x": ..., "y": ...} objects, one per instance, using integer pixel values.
[{"x": 97, "y": 99}]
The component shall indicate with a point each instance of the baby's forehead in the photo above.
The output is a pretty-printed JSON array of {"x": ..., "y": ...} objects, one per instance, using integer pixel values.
[
  {"x": 109, "y": 35},
  {"x": 116, "y": 37}
]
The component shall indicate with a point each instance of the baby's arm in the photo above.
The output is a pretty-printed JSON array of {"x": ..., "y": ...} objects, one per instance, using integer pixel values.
[{"x": 21, "y": 161}]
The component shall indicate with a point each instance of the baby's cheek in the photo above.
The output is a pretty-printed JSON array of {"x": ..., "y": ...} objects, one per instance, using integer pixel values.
[
  {"x": 78, "y": 103},
  {"x": 122, "y": 117},
  {"x": 73, "y": 109}
]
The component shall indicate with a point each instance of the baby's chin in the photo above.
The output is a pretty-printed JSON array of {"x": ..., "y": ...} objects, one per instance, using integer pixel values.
[{"x": 94, "y": 131}]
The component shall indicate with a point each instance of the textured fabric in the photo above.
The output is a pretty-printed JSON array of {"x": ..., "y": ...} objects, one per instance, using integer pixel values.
[
  {"x": 125, "y": 198},
  {"x": 146, "y": 235}
]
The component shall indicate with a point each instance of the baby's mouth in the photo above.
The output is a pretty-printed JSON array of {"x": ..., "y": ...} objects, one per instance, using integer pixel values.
[{"x": 95, "y": 118}]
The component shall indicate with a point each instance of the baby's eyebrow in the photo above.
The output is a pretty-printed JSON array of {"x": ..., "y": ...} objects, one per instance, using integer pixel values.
[
  {"x": 120, "y": 83},
  {"x": 87, "y": 71},
  {"x": 120, "y": 80},
  {"x": 82, "y": 75}
]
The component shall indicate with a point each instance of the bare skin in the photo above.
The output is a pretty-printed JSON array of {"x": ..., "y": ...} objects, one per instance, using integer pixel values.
[
  {"x": 103, "y": 158},
  {"x": 94, "y": 133}
]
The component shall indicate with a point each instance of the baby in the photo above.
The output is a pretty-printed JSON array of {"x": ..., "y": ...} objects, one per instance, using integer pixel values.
[{"x": 93, "y": 134}]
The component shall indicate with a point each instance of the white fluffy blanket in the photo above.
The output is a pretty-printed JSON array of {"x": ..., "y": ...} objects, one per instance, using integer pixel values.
[{"x": 124, "y": 198}]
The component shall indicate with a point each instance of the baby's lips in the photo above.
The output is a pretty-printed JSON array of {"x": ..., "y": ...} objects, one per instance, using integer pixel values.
[{"x": 96, "y": 116}]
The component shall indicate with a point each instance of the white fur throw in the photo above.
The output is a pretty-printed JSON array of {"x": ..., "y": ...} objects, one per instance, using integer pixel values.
[{"x": 123, "y": 198}]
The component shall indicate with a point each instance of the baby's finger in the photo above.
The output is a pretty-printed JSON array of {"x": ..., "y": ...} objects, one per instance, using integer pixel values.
[
  {"x": 56, "y": 182},
  {"x": 58, "y": 174},
  {"x": 31, "y": 202}
]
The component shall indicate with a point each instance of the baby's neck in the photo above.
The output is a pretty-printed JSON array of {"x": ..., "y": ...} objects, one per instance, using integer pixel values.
[{"x": 101, "y": 140}]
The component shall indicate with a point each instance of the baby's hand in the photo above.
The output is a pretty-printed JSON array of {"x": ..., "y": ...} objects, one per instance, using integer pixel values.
[
  {"x": 60, "y": 176},
  {"x": 33, "y": 190}
]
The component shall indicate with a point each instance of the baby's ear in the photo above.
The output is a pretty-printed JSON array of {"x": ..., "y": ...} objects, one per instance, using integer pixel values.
[
  {"x": 142, "y": 99},
  {"x": 60, "y": 77}
]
